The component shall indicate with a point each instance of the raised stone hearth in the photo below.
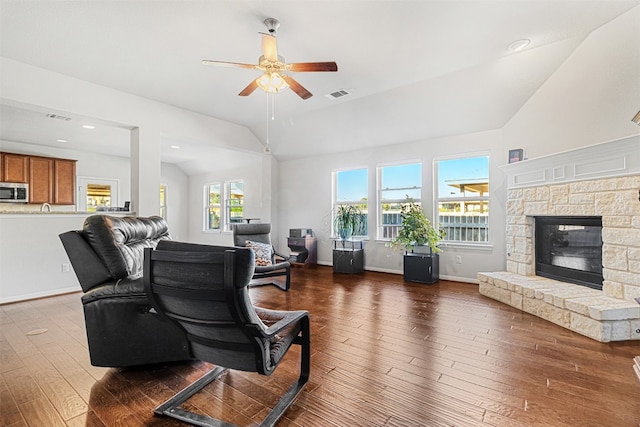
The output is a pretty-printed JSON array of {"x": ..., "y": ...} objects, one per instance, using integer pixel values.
[
  {"x": 581, "y": 309},
  {"x": 601, "y": 180}
]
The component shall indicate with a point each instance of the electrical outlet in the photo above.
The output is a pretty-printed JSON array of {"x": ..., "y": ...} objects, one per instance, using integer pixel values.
[
  {"x": 458, "y": 259},
  {"x": 65, "y": 267}
]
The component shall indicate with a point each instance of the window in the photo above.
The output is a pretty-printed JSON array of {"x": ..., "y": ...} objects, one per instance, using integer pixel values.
[
  {"x": 163, "y": 201},
  {"x": 97, "y": 194},
  {"x": 395, "y": 184},
  {"x": 219, "y": 216},
  {"x": 463, "y": 198},
  {"x": 234, "y": 203},
  {"x": 212, "y": 210},
  {"x": 351, "y": 188}
]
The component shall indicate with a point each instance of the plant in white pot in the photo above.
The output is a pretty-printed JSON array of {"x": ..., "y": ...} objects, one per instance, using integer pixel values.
[{"x": 415, "y": 234}]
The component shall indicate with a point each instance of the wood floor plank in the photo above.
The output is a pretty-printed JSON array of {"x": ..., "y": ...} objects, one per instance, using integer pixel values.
[
  {"x": 40, "y": 412},
  {"x": 22, "y": 385},
  {"x": 9, "y": 412},
  {"x": 9, "y": 359},
  {"x": 384, "y": 353},
  {"x": 88, "y": 419},
  {"x": 60, "y": 393}
]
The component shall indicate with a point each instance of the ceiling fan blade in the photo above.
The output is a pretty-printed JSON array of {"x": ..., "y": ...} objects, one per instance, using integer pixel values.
[
  {"x": 269, "y": 47},
  {"x": 297, "y": 87},
  {"x": 249, "y": 89},
  {"x": 312, "y": 66},
  {"x": 228, "y": 64}
]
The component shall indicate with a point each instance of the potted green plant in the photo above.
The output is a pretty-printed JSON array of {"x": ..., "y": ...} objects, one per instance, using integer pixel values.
[
  {"x": 348, "y": 221},
  {"x": 417, "y": 233},
  {"x": 348, "y": 256}
]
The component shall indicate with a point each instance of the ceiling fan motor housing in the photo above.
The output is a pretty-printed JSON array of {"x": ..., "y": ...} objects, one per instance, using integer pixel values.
[{"x": 272, "y": 25}]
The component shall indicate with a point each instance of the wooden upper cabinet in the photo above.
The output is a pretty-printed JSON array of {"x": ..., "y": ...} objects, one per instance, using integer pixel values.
[
  {"x": 40, "y": 180},
  {"x": 15, "y": 168},
  {"x": 64, "y": 184},
  {"x": 50, "y": 180}
]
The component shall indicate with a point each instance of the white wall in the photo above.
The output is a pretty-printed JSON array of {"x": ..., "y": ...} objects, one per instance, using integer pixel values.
[
  {"x": 591, "y": 98},
  {"x": 31, "y": 256},
  {"x": 305, "y": 199}
]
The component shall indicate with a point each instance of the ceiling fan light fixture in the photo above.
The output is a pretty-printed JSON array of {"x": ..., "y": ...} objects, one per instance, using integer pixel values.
[{"x": 271, "y": 82}]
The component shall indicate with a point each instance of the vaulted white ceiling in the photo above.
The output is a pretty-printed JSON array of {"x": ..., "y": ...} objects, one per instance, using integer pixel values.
[{"x": 415, "y": 69}]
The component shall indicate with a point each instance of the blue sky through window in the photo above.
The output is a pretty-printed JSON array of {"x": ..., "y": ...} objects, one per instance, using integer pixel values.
[
  {"x": 409, "y": 175},
  {"x": 352, "y": 185},
  {"x": 470, "y": 169},
  {"x": 402, "y": 176}
]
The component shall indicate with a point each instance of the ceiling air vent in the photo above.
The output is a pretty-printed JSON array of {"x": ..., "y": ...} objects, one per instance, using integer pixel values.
[
  {"x": 338, "y": 94},
  {"x": 636, "y": 118},
  {"x": 58, "y": 117}
]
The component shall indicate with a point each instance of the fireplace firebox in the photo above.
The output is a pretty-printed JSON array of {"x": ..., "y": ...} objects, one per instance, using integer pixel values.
[{"x": 569, "y": 249}]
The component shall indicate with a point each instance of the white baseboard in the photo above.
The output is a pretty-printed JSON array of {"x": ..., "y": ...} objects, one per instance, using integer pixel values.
[
  {"x": 459, "y": 279},
  {"x": 392, "y": 271},
  {"x": 35, "y": 295}
]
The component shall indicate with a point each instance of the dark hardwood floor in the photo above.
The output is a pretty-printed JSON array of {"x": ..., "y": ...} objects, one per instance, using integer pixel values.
[{"x": 385, "y": 353}]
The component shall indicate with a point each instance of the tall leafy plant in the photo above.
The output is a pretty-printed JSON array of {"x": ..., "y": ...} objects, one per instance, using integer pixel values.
[
  {"x": 416, "y": 229},
  {"x": 348, "y": 221}
]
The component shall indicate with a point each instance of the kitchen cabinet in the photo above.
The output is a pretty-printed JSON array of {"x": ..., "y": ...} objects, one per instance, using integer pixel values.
[
  {"x": 50, "y": 180},
  {"x": 64, "y": 182},
  {"x": 40, "y": 180},
  {"x": 15, "y": 167}
]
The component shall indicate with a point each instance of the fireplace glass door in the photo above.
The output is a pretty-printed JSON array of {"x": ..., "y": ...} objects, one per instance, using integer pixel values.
[{"x": 569, "y": 249}]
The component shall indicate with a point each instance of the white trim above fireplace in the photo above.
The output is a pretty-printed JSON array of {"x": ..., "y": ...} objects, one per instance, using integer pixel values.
[{"x": 609, "y": 159}]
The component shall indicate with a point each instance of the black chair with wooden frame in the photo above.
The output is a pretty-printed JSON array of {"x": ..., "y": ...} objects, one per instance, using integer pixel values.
[
  {"x": 204, "y": 290},
  {"x": 269, "y": 263}
]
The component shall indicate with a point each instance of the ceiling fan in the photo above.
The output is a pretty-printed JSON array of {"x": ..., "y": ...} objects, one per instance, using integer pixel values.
[{"x": 274, "y": 66}]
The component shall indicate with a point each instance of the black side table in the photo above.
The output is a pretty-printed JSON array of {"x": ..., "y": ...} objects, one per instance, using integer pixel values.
[
  {"x": 421, "y": 268},
  {"x": 348, "y": 256}
]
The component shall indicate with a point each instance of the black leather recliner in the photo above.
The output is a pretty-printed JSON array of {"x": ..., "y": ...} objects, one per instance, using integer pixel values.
[{"x": 122, "y": 329}]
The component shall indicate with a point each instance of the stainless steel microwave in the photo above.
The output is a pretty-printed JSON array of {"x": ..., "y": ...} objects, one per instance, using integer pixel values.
[{"x": 14, "y": 192}]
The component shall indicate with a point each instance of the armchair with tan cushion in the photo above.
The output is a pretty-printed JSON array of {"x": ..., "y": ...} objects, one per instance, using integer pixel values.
[{"x": 269, "y": 263}]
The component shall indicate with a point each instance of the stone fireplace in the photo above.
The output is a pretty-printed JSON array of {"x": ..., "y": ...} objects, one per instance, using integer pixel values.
[{"x": 601, "y": 181}]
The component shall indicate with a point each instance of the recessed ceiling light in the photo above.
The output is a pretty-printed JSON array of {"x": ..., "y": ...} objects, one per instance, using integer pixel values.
[
  {"x": 519, "y": 45},
  {"x": 175, "y": 147},
  {"x": 88, "y": 126},
  {"x": 61, "y": 140}
]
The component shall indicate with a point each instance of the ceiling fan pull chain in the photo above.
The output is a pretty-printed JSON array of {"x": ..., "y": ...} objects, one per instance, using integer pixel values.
[
  {"x": 273, "y": 106},
  {"x": 268, "y": 119}
]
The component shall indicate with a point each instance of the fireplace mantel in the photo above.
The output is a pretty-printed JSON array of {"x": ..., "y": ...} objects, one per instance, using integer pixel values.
[
  {"x": 600, "y": 180},
  {"x": 606, "y": 160}
]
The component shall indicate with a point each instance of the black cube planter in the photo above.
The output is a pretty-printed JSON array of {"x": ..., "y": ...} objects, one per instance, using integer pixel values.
[
  {"x": 421, "y": 268},
  {"x": 348, "y": 256}
]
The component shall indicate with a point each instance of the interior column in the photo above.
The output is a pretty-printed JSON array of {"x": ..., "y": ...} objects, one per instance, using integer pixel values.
[{"x": 145, "y": 171}]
